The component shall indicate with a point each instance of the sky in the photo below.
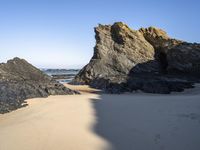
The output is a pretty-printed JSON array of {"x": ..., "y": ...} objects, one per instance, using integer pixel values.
[{"x": 60, "y": 33}]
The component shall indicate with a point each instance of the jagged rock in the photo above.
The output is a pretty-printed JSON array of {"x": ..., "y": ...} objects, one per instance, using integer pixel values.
[
  {"x": 118, "y": 49},
  {"x": 19, "y": 80},
  {"x": 159, "y": 39},
  {"x": 146, "y": 59},
  {"x": 184, "y": 58}
]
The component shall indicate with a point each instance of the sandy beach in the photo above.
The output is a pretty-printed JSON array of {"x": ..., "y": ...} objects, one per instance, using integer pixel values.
[
  {"x": 99, "y": 75},
  {"x": 93, "y": 121}
]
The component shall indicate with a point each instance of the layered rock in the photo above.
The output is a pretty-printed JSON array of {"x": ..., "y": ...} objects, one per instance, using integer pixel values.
[
  {"x": 185, "y": 58},
  {"x": 117, "y": 50},
  {"x": 19, "y": 80},
  {"x": 146, "y": 59}
]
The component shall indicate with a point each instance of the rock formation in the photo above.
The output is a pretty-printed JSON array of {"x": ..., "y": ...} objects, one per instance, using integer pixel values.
[
  {"x": 19, "y": 80},
  {"x": 146, "y": 59}
]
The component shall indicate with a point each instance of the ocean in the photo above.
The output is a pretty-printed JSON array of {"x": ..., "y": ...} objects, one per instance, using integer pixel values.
[{"x": 62, "y": 75}]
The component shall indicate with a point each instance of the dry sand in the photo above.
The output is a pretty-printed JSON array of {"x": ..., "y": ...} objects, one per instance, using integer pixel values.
[
  {"x": 83, "y": 88},
  {"x": 53, "y": 123},
  {"x": 104, "y": 122}
]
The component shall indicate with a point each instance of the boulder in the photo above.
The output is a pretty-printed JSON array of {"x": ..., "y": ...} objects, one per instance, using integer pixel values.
[{"x": 19, "y": 80}]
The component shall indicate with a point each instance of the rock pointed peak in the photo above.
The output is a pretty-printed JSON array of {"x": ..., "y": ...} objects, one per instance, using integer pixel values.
[
  {"x": 121, "y": 25},
  {"x": 154, "y": 32},
  {"x": 116, "y": 25},
  {"x": 16, "y": 60}
]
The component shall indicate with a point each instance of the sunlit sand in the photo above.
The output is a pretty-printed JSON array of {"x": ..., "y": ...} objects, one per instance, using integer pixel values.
[{"x": 104, "y": 122}]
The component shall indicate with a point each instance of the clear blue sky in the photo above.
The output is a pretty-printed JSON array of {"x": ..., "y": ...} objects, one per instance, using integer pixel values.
[{"x": 59, "y": 33}]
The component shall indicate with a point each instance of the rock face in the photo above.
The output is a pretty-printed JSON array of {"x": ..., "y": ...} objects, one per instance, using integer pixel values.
[
  {"x": 146, "y": 59},
  {"x": 19, "y": 80},
  {"x": 185, "y": 58},
  {"x": 118, "y": 49}
]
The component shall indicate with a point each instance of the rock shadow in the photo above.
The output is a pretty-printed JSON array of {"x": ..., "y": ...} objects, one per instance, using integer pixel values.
[
  {"x": 146, "y": 122},
  {"x": 151, "y": 77}
]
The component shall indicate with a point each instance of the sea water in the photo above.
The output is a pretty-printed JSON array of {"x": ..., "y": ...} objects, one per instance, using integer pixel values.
[{"x": 61, "y": 75}]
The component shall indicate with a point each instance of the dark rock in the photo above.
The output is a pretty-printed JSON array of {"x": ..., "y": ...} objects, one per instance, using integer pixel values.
[
  {"x": 147, "y": 59},
  {"x": 184, "y": 58},
  {"x": 19, "y": 80},
  {"x": 118, "y": 49}
]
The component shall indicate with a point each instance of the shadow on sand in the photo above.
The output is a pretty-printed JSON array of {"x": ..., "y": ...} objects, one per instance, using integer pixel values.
[{"x": 148, "y": 122}]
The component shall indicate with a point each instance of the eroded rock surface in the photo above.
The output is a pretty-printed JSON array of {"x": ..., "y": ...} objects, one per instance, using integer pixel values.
[
  {"x": 118, "y": 49},
  {"x": 19, "y": 80},
  {"x": 146, "y": 59}
]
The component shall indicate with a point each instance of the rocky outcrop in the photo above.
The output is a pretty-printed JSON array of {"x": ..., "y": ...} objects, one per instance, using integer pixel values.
[
  {"x": 146, "y": 59},
  {"x": 19, "y": 80},
  {"x": 184, "y": 58},
  {"x": 117, "y": 50},
  {"x": 159, "y": 39}
]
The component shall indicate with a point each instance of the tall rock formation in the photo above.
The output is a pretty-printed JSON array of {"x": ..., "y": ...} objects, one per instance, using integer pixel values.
[
  {"x": 146, "y": 59},
  {"x": 19, "y": 80},
  {"x": 117, "y": 50}
]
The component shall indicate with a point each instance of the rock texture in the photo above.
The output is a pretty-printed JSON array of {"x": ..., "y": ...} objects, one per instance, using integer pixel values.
[
  {"x": 19, "y": 80},
  {"x": 118, "y": 49},
  {"x": 146, "y": 59},
  {"x": 184, "y": 58}
]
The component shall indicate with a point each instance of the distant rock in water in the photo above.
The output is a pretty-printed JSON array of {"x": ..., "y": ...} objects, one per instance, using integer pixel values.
[
  {"x": 19, "y": 80},
  {"x": 147, "y": 59}
]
